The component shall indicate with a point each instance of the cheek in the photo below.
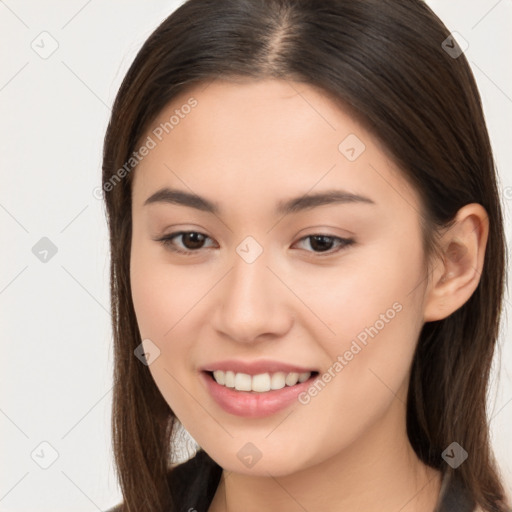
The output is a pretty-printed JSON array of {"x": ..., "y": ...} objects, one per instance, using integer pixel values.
[
  {"x": 375, "y": 314},
  {"x": 374, "y": 293},
  {"x": 167, "y": 302},
  {"x": 162, "y": 294},
  {"x": 367, "y": 376}
]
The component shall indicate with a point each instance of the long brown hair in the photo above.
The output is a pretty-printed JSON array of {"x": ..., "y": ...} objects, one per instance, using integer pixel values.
[{"x": 386, "y": 62}]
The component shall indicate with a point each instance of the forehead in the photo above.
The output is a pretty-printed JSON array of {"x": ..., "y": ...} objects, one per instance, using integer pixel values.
[{"x": 271, "y": 138}]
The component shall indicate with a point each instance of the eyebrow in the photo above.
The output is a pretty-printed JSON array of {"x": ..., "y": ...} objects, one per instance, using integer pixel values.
[{"x": 296, "y": 204}]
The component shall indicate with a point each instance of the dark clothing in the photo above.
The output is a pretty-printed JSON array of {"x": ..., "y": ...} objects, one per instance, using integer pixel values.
[{"x": 197, "y": 479}]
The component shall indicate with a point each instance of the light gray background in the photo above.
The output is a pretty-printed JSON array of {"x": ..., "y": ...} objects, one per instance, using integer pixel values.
[{"x": 55, "y": 322}]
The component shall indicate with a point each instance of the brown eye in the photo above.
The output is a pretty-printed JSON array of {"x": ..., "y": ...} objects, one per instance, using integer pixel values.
[
  {"x": 324, "y": 243},
  {"x": 191, "y": 241},
  {"x": 321, "y": 243}
]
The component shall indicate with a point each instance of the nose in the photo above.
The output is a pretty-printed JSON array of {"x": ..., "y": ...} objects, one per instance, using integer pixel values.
[{"x": 253, "y": 304}]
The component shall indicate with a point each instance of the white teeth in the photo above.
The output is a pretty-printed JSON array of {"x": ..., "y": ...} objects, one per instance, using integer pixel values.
[
  {"x": 259, "y": 383},
  {"x": 292, "y": 379},
  {"x": 304, "y": 376},
  {"x": 219, "y": 377},
  {"x": 243, "y": 382},
  {"x": 278, "y": 380},
  {"x": 229, "y": 379}
]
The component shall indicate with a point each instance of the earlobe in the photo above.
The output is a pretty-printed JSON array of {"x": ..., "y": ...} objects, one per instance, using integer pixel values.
[{"x": 458, "y": 270}]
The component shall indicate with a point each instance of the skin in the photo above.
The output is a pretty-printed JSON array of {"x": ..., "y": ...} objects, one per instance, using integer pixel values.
[{"x": 248, "y": 145}]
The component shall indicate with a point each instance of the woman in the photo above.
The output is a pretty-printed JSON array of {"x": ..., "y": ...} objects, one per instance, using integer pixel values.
[{"x": 307, "y": 262}]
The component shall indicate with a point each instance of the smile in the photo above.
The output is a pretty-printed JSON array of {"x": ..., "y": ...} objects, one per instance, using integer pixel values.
[
  {"x": 256, "y": 395},
  {"x": 260, "y": 383}
]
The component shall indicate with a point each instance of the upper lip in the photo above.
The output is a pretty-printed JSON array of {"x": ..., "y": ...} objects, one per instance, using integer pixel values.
[{"x": 255, "y": 367}]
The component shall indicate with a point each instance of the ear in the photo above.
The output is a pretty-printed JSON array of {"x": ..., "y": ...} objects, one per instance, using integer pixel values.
[{"x": 457, "y": 271}]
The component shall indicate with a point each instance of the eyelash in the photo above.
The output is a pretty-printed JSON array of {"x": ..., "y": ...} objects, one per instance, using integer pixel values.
[{"x": 167, "y": 242}]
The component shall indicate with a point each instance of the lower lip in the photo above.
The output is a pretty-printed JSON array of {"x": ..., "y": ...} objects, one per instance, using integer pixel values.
[{"x": 251, "y": 404}]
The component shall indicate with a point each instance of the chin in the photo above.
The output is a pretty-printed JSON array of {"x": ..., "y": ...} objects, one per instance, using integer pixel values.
[{"x": 263, "y": 459}]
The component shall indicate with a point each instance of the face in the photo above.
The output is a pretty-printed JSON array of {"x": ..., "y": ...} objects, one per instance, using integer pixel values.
[{"x": 309, "y": 305}]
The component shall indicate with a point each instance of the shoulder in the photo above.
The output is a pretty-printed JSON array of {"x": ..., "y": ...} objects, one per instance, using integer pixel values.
[
  {"x": 193, "y": 482},
  {"x": 454, "y": 495}
]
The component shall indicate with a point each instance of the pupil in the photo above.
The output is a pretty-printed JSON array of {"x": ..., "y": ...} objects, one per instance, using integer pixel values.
[
  {"x": 325, "y": 242},
  {"x": 190, "y": 243}
]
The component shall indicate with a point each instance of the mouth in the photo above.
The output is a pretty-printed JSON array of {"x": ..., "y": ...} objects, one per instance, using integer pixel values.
[
  {"x": 260, "y": 383},
  {"x": 256, "y": 395}
]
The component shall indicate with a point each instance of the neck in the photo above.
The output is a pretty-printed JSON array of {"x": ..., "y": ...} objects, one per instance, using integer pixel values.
[{"x": 378, "y": 472}]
